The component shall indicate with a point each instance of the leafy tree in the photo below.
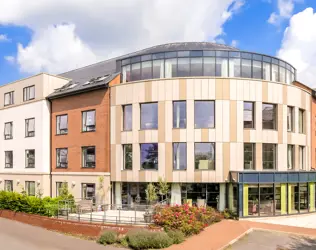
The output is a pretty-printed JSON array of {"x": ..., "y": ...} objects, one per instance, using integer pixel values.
[
  {"x": 151, "y": 193},
  {"x": 163, "y": 187}
]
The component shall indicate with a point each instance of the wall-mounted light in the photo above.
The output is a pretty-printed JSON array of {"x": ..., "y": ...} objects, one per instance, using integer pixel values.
[
  {"x": 17, "y": 181},
  {"x": 73, "y": 183},
  {"x": 38, "y": 182}
]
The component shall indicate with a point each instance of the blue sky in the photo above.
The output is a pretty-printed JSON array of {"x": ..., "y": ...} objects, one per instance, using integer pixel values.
[{"x": 56, "y": 36}]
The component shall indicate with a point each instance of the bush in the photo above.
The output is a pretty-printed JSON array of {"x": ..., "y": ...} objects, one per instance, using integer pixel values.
[
  {"x": 176, "y": 236},
  {"x": 189, "y": 220},
  {"x": 123, "y": 241},
  {"x": 107, "y": 237},
  {"x": 147, "y": 240}
]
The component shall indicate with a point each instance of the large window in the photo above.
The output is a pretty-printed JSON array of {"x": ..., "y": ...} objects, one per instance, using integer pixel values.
[
  {"x": 290, "y": 157},
  {"x": 249, "y": 115},
  {"x": 269, "y": 116},
  {"x": 61, "y": 124},
  {"x": 204, "y": 156},
  {"x": 301, "y": 157},
  {"x": 249, "y": 156},
  {"x": 9, "y": 98},
  {"x": 183, "y": 67},
  {"x": 30, "y": 127},
  {"x": 290, "y": 119},
  {"x": 246, "y": 68},
  {"x": 126, "y": 73},
  {"x": 196, "y": 66},
  {"x": 234, "y": 67},
  {"x": 149, "y": 156},
  {"x": 149, "y": 115},
  {"x": 269, "y": 156},
  {"x": 209, "y": 66},
  {"x": 88, "y": 191},
  {"x": 146, "y": 70},
  {"x": 88, "y": 157},
  {"x": 8, "y": 130},
  {"x": 60, "y": 186},
  {"x": 301, "y": 121},
  {"x": 30, "y": 158},
  {"x": 179, "y": 156},
  {"x": 8, "y": 185},
  {"x": 127, "y": 118},
  {"x": 30, "y": 188},
  {"x": 62, "y": 158},
  {"x": 29, "y": 93},
  {"x": 88, "y": 121},
  {"x": 204, "y": 114},
  {"x": 136, "y": 72},
  {"x": 179, "y": 114},
  {"x": 275, "y": 73},
  {"x": 170, "y": 68},
  {"x": 128, "y": 156},
  {"x": 158, "y": 69},
  {"x": 256, "y": 69},
  {"x": 8, "y": 155},
  {"x": 221, "y": 68}
]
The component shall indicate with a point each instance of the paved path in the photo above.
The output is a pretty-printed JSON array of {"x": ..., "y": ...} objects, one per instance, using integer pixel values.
[{"x": 16, "y": 236}]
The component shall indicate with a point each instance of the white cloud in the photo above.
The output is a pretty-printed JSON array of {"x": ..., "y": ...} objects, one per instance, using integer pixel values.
[
  {"x": 4, "y": 38},
  {"x": 285, "y": 10},
  {"x": 234, "y": 43},
  {"x": 10, "y": 59},
  {"x": 72, "y": 33},
  {"x": 298, "y": 45}
]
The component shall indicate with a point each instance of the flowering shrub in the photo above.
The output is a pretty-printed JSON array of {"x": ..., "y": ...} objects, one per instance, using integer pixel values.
[{"x": 189, "y": 220}]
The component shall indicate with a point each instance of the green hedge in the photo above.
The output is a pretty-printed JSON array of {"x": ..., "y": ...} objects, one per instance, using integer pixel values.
[{"x": 29, "y": 204}]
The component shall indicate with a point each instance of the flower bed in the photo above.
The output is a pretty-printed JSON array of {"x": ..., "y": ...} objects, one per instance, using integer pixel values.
[{"x": 189, "y": 220}]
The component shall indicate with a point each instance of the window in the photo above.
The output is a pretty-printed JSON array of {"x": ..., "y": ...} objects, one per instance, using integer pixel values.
[
  {"x": 249, "y": 156},
  {"x": 266, "y": 71},
  {"x": 128, "y": 157},
  {"x": 62, "y": 158},
  {"x": 290, "y": 119},
  {"x": 9, "y": 98},
  {"x": 301, "y": 157},
  {"x": 88, "y": 157},
  {"x": 234, "y": 67},
  {"x": 8, "y": 155},
  {"x": 146, "y": 70},
  {"x": 30, "y": 158},
  {"x": 221, "y": 68},
  {"x": 256, "y": 70},
  {"x": 249, "y": 115},
  {"x": 179, "y": 156},
  {"x": 88, "y": 191},
  {"x": 196, "y": 66},
  {"x": 28, "y": 93},
  {"x": 282, "y": 74},
  {"x": 269, "y": 156},
  {"x": 127, "y": 117},
  {"x": 149, "y": 156},
  {"x": 30, "y": 188},
  {"x": 8, "y": 185},
  {"x": 61, "y": 124},
  {"x": 209, "y": 66},
  {"x": 204, "y": 156},
  {"x": 204, "y": 114},
  {"x": 246, "y": 68},
  {"x": 126, "y": 73},
  {"x": 290, "y": 157},
  {"x": 135, "y": 73},
  {"x": 170, "y": 68},
  {"x": 88, "y": 121},
  {"x": 179, "y": 114},
  {"x": 183, "y": 67},
  {"x": 8, "y": 130},
  {"x": 301, "y": 121},
  {"x": 158, "y": 69},
  {"x": 30, "y": 127},
  {"x": 268, "y": 116},
  {"x": 149, "y": 115},
  {"x": 275, "y": 73},
  {"x": 60, "y": 186}
]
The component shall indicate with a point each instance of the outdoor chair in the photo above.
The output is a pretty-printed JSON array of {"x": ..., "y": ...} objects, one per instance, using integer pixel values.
[{"x": 85, "y": 206}]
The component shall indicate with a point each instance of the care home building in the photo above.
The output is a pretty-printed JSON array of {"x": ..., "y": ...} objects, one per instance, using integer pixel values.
[{"x": 25, "y": 142}]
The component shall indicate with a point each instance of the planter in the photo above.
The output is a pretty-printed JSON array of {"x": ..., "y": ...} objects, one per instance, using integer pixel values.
[{"x": 148, "y": 218}]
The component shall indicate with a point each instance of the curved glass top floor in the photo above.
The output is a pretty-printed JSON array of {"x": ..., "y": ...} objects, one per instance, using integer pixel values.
[{"x": 218, "y": 63}]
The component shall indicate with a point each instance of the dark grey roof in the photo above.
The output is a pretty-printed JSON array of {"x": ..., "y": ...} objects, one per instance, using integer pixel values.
[
  {"x": 109, "y": 66},
  {"x": 75, "y": 87}
]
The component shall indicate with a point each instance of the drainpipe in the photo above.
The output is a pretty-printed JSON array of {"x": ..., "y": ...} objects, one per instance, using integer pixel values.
[{"x": 50, "y": 149}]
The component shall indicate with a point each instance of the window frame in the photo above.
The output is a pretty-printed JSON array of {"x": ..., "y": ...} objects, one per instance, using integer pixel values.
[
  {"x": 253, "y": 156},
  {"x": 27, "y": 151},
  {"x": 84, "y": 127},
  {"x": 214, "y": 110},
  {"x": 124, "y": 120},
  {"x": 8, "y": 136},
  {"x": 11, "y": 94},
  {"x": 84, "y": 156},
  {"x": 275, "y": 106},
  {"x": 57, "y": 188},
  {"x": 84, "y": 197},
  {"x": 301, "y": 153},
  {"x": 301, "y": 122},
  {"x": 27, "y": 187},
  {"x": 292, "y": 120},
  {"x": 58, "y": 119},
  {"x": 173, "y": 115},
  {"x": 8, "y": 164},
  {"x": 5, "y": 185},
  {"x": 174, "y": 159},
  {"x": 26, "y": 95},
  {"x": 275, "y": 160},
  {"x": 151, "y": 128},
  {"x": 253, "y": 113},
  {"x": 124, "y": 156},
  {"x": 29, "y": 133},
  {"x": 195, "y": 162},
  {"x": 58, "y": 162}
]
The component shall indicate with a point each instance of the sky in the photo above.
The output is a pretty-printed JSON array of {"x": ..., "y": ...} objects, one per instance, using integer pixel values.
[{"x": 55, "y": 36}]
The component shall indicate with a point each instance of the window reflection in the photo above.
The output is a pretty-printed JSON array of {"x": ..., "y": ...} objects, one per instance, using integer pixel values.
[
  {"x": 146, "y": 70},
  {"x": 149, "y": 156},
  {"x": 179, "y": 156},
  {"x": 209, "y": 66},
  {"x": 136, "y": 72},
  {"x": 170, "y": 68},
  {"x": 266, "y": 69},
  {"x": 275, "y": 73},
  {"x": 196, "y": 67},
  {"x": 204, "y": 114},
  {"x": 158, "y": 69},
  {"x": 221, "y": 67},
  {"x": 256, "y": 70},
  {"x": 183, "y": 67},
  {"x": 246, "y": 68},
  {"x": 149, "y": 116},
  {"x": 205, "y": 156},
  {"x": 179, "y": 114},
  {"x": 234, "y": 67},
  {"x": 268, "y": 116}
]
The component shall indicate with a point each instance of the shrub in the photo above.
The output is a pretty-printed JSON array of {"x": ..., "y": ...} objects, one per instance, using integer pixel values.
[
  {"x": 176, "y": 236},
  {"x": 123, "y": 241},
  {"x": 189, "y": 220},
  {"x": 145, "y": 239},
  {"x": 107, "y": 237}
]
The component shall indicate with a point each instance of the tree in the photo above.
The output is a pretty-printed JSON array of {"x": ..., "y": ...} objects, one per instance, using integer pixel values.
[
  {"x": 151, "y": 193},
  {"x": 163, "y": 187}
]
